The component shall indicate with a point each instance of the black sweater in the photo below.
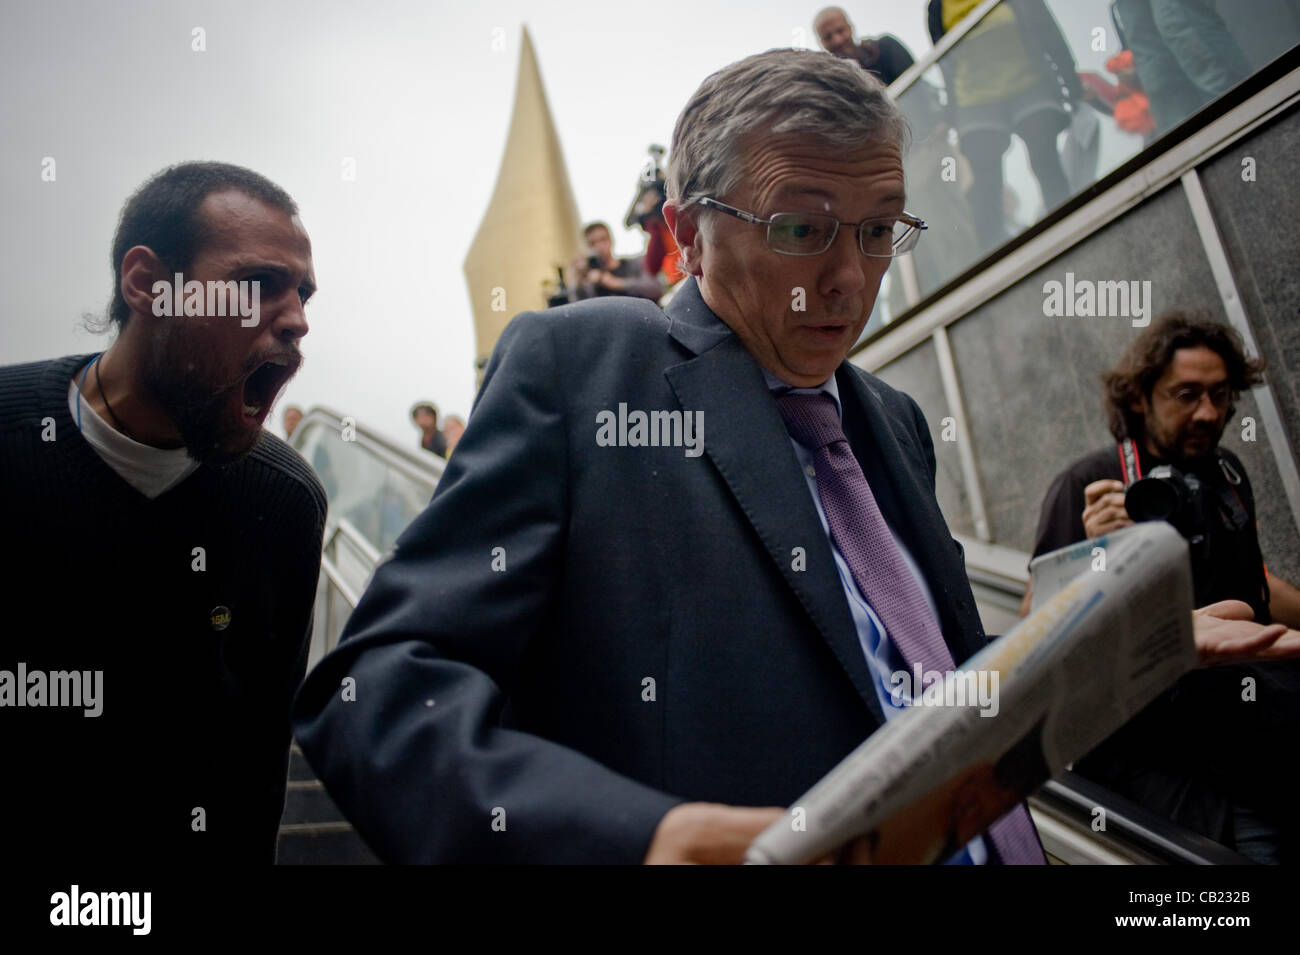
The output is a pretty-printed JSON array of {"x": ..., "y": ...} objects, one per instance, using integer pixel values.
[{"x": 98, "y": 577}]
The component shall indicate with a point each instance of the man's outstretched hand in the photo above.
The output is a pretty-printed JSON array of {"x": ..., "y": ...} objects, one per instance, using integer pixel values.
[{"x": 1226, "y": 632}]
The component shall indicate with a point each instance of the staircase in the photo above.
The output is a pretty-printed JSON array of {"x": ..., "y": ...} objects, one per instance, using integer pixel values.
[{"x": 313, "y": 830}]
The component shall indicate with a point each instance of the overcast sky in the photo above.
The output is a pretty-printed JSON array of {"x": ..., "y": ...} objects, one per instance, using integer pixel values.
[{"x": 414, "y": 92}]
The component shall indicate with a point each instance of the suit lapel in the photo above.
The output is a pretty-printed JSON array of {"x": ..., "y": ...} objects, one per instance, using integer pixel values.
[{"x": 747, "y": 442}]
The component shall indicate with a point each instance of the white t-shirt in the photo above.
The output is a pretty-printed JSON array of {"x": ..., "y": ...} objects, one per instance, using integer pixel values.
[{"x": 149, "y": 470}]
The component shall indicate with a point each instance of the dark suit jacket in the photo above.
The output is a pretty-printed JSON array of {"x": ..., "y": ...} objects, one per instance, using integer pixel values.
[{"x": 522, "y": 695}]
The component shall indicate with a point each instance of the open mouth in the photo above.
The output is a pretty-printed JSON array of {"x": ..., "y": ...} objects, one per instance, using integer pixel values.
[{"x": 265, "y": 382}]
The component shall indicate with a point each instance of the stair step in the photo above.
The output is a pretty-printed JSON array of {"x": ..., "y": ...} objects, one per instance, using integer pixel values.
[
  {"x": 306, "y": 801},
  {"x": 330, "y": 843},
  {"x": 298, "y": 768},
  {"x": 313, "y": 830}
]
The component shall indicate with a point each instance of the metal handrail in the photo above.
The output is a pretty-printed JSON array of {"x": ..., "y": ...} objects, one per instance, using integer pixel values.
[
  {"x": 347, "y": 529},
  {"x": 420, "y": 466},
  {"x": 350, "y": 596},
  {"x": 1130, "y": 826}
]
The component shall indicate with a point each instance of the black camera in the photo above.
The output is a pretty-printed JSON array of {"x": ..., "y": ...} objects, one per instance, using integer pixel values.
[
  {"x": 1167, "y": 494},
  {"x": 595, "y": 262}
]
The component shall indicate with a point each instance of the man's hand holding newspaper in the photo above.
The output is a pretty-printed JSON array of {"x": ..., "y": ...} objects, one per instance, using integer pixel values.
[{"x": 1112, "y": 628}]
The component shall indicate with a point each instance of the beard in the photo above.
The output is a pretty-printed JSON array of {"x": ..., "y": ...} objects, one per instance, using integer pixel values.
[
  {"x": 179, "y": 375},
  {"x": 1171, "y": 445}
]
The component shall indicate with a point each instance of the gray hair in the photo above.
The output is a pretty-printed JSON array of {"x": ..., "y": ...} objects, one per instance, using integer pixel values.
[{"x": 815, "y": 96}]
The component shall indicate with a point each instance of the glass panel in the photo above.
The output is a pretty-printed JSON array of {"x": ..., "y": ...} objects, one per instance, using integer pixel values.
[
  {"x": 354, "y": 480},
  {"x": 890, "y": 302},
  {"x": 937, "y": 183},
  {"x": 401, "y": 501},
  {"x": 1044, "y": 97},
  {"x": 378, "y": 499}
]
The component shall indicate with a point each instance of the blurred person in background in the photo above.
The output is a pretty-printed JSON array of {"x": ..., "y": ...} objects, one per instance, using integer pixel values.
[
  {"x": 452, "y": 431},
  {"x": 601, "y": 273},
  {"x": 1012, "y": 73},
  {"x": 884, "y": 57},
  {"x": 1183, "y": 53},
  {"x": 425, "y": 416},
  {"x": 292, "y": 418},
  {"x": 661, "y": 260}
]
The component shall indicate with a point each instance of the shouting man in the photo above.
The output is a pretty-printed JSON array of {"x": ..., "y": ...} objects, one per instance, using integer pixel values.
[{"x": 165, "y": 546}]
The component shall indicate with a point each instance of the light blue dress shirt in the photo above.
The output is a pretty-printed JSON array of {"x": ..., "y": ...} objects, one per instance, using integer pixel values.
[{"x": 883, "y": 658}]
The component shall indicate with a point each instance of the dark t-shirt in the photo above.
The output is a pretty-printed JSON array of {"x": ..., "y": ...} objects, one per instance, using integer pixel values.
[
  {"x": 892, "y": 62},
  {"x": 640, "y": 285},
  {"x": 435, "y": 442},
  {"x": 1199, "y": 748}
]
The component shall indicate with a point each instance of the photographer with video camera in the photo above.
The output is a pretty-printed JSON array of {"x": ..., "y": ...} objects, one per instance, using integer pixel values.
[
  {"x": 1210, "y": 752},
  {"x": 662, "y": 259},
  {"x": 601, "y": 273}
]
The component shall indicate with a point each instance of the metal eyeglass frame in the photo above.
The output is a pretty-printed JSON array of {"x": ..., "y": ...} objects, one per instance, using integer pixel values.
[{"x": 912, "y": 236}]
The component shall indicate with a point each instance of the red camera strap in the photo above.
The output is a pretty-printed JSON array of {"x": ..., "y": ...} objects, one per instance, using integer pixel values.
[{"x": 1130, "y": 464}]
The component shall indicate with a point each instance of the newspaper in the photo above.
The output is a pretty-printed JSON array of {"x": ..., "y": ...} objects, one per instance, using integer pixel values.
[{"x": 1111, "y": 627}]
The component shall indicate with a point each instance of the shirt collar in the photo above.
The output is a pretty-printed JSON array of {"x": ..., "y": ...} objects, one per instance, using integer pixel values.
[{"x": 827, "y": 387}]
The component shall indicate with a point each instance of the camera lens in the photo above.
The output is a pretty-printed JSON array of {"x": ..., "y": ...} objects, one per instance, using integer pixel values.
[{"x": 1152, "y": 499}]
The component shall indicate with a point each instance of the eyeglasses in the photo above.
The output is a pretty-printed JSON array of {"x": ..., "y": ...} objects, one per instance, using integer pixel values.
[
  {"x": 1189, "y": 396},
  {"x": 811, "y": 233}
]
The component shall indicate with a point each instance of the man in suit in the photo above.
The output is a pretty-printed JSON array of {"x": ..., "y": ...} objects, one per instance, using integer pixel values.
[{"x": 633, "y": 610}]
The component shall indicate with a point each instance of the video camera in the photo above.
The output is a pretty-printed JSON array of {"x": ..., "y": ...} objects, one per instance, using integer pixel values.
[{"x": 651, "y": 191}]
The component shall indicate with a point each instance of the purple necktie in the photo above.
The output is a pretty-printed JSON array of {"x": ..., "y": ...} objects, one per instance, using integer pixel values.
[{"x": 882, "y": 577}]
